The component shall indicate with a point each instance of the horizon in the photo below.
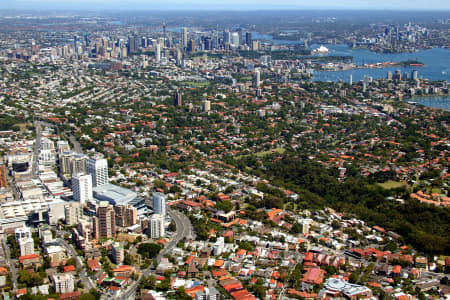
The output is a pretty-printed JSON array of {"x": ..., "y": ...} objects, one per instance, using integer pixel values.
[{"x": 231, "y": 5}]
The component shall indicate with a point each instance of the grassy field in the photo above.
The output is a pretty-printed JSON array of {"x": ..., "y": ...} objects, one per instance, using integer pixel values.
[
  {"x": 390, "y": 184},
  {"x": 264, "y": 153},
  {"x": 197, "y": 84}
]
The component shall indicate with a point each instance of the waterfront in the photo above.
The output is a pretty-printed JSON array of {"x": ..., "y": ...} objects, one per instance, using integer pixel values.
[
  {"x": 432, "y": 101},
  {"x": 436, "y": 60}
]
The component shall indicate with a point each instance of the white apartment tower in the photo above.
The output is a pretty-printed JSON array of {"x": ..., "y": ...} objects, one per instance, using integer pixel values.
[
  {"x": 82, "y": 188},
  {"x": 97, "y": 166},
  {"x": 157, "y": 226}
]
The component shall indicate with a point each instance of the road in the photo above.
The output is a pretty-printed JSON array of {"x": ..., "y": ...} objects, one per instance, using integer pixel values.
[
  {"x": 11, "y": 263},
  {"x": 87, "y": 281},
  {"x": 183, "y": 230},
  {"x": 37, "y": 146}
]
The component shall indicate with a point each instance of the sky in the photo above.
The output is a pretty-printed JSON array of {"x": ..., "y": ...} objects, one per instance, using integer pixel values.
[{"x": 226, "y": 4}]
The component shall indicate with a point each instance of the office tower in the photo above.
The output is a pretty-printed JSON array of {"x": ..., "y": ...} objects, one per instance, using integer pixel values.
[
  {"x": 389, "y": 75},
  {"x": 248, "y": 39},
  {"x": 364, "y": 87},
  {"x": 191, "y": 46},
  {"x": 126, "y": 215},
  {"x": 207, "y": 43},
  {"x": 257, "y": 79},
  {"x": 132, "y": 44},
  {"x": 97, "y": 166},
  {"x": 235, "y": 39},
  {"x": 178, "y": 99},
  {"x": 72, "y": 213},
  {"x": 164, "y": 34},
  {"x": 397, "y": 75},
  {"x": 415, "y": 75},
  {"x": 159, "y": 203},
  {"x": 158, "y": 53},
  {"x": 350, "y": 80},
  {"x": 157, "y": 226},
  {"x": 184, "y": 37},
  {"x": 179, "y": 56},
  {"x": 82, "y": 188},
  {"x": 104, "y": 223},
  {"x": 206, "y": 105},
  {"x": 226, "y": 37},
  {"x": 406, "y": 76}
]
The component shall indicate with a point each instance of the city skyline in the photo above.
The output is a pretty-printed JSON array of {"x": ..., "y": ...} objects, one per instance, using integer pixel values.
[{"x": 174, "y": 5}]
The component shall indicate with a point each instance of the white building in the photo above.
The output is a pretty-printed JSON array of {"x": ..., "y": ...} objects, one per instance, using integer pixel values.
[
  {"x": 159, "y": 203},
  {"x": 63, "y": 283},
  {"x": 97, "y": 166},
  {"x": 82, "y": 188},
  {"x": 158, "y": 53},
  {"x": 219, "y": 246},
  {"x": 206, "y": 105},
  {"x": 157, "y": 226},
  {"x": 26, "y": 246},
  {"x": 22, "y": 233},
  {"x": 73, "y": 212},
  {"x": 235, "y": 39},
  {"x": 117, "y": 253}
]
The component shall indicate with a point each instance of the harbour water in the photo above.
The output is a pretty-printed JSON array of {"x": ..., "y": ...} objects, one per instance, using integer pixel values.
[
  {"x": 433, "y": 101},
  {"x": 436, "y": 60}
]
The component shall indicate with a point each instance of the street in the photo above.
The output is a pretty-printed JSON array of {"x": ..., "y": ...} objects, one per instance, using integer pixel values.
[{"x": 183, "y": 230}]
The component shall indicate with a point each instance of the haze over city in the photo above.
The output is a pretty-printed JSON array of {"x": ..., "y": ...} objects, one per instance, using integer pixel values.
[{"x": 437, "y": 5}]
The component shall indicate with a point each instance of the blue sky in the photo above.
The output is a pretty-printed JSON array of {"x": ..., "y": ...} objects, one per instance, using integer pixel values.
[{"x": 226, "y": 4}]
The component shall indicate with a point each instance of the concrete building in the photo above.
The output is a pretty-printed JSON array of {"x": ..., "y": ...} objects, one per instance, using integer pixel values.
[
  {"x": 159, "y": 203},
  {"x": 56, "y": 254},
  {"x": 104, "y": 223},
  {"x": 206, "y": 105},
  {"x": 117, "y": 253},
  {"x": 126, "y": 215},
  {"x": 22, "y": 233},
  {"x": 63, "y": 283},
  {"x": 73, "y": 212},
  {"x": 26, "y": 246},
  {"x": 97, "y": 166},
  {"x": 157, "y": 226},
  {"x": 82, "y": 188},
  {"x": 257, "y": 79}
]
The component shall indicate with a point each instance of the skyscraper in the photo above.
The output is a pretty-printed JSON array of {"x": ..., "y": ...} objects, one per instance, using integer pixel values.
[
  {"x": 350, "y": 80},
  {"x": 82, "y": 188},
  {"x": 257, "y": 79},
  {"x": 248, "y": 39},
  {"x": 178, "y": 99},
  {"x": 158, "y": 53},
  {"x": 235, "y": 39},
  {"x": 184, "y": 37},
  {"x": 157, "y": 226},
  {"x": 132, "y": 44},
  {"x": 159, "y": 203},
  {"x": 97, "y": 166},
  {"x": 104, "y": 223}
]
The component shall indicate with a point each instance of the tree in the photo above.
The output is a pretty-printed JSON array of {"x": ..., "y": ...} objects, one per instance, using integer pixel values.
[
  {"x": 87, "y": 296},
  {"x": 149, "y": 250}
]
